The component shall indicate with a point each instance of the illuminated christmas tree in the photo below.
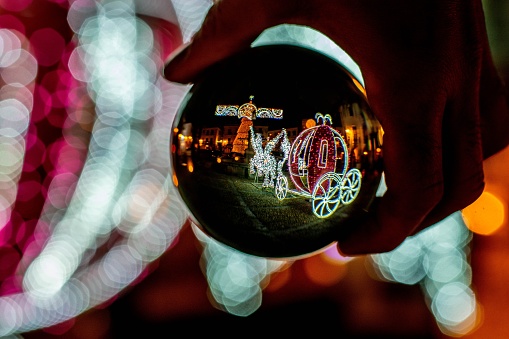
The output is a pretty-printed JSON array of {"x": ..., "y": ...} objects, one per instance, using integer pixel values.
[
  {"x": 246, "y": 113},
  {"x": 241, "y": 142}
]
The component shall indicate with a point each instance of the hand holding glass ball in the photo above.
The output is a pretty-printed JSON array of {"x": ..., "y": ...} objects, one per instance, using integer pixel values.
[
  {"x": 431, "y": 83},
  {"x": 275, "y": 148}
]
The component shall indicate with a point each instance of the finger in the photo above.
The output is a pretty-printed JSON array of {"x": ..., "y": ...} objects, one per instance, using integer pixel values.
[
  {"x": 229, "y": 27},
  {"x": 413, "y": 173},
  {"x": 462, "y": 154},
  {"x": 479, "y": 109}
]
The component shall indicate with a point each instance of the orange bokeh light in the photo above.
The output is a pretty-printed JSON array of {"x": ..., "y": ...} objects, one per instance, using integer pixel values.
[
  {"x": 323, "y": 271},
  {"x": 486, "y": 215},
  {"x": 310, "y": 123},
  {"x": 278, "y": 280}
]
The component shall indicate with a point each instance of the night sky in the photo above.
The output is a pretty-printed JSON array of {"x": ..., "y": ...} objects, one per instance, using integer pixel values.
[{"x": 299, "y": 81}]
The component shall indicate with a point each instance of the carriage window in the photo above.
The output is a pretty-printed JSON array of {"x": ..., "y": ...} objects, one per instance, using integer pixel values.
[
  {"x": 322, "y": 157},
  {"x": 296, "y": 155}
]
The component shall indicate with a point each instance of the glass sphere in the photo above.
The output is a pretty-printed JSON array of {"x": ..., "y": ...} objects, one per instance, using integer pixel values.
[{"x": 274, "y": 148}]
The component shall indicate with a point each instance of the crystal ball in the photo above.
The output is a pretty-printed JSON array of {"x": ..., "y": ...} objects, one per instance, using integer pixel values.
[{"x": 274, "y": 148}]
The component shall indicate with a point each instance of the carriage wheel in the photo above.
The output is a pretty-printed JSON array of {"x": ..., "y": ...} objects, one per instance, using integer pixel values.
[
  {"x": 350, "y": 186},
  {"x": 326, "y": 195},
  {"x": 281, "y": 187}
]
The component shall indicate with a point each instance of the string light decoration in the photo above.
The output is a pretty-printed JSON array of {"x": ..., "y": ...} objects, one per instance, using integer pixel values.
[
  {"x": 247, "y": 112},
  {"x": 241, "y": 141},
  {"x": 312, "y": 165},
  {"x": 264, "y": 163}
]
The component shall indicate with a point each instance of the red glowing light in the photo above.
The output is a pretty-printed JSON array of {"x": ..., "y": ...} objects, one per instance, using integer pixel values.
[
  {"x": 48, "y": 46},
  {"x": 15, "y": 6},
  {"x": 11, "y": 22}
]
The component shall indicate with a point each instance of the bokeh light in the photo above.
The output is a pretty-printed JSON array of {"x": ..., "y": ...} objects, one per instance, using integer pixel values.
[
  {"x": 325, "y": 271},
  {"x": 236, "y": 280},
  {"x": 486, "y": 215},
  {"x": 106, "y": 173},
  {"x": 15, "y": 6},
  {"x": 437, "y": 259}
]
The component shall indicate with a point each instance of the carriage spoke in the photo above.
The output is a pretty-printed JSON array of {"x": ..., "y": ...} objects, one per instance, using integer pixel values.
[
  {"x": 334, "y": 193},
  {"x": 281, "y": 187},
  {"x": 350, "y": 186}
]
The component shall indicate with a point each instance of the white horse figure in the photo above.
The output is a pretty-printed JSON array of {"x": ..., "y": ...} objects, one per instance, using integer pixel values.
[{"x": 263, "y": 163}]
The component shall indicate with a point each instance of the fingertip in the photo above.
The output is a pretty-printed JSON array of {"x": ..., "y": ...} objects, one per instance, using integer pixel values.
[
  {"x": 343, "y": 253},
  {"x": 173, "y": 69},
  {"x": 354, "y": 234},
  {"x": 373, "y": 231}
]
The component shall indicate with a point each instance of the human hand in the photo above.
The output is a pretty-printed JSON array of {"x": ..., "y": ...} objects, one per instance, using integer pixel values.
[{"x": 429, "y": 79}]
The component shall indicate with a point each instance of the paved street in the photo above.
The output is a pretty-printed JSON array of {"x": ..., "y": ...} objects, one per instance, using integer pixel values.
[{"x": 239, "y": 212}]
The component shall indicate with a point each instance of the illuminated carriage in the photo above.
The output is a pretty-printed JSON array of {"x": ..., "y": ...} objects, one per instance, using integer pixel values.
[{"x": 318, "y": 167}]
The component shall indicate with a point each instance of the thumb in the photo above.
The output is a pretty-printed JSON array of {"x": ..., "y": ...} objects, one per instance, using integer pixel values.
[{"x": 229, "y": 27}]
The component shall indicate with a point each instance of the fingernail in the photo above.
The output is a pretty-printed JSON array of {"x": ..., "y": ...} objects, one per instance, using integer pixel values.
[{"x": 341, "y": 253}]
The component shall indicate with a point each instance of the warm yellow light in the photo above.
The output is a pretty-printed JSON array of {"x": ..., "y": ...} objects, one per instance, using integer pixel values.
[
  {"x": 218, "y": 160},
  {"x": 190, "y": 166},
  {"x": 347, "y": 130},
  {"x": 175, "y": 180},
  {"x": 278, "y": 280},
  {"x": 365, "y": 153},
  {"x": 486, "y": 215},
  {"x": 323, "y": 271},
  {"x": 175, "y": 130},
  {"x": 378, "y": 150},
  {"x": 236, "y": 158},
  {"x": 310, "y": 123},
  {"x": 359, "y": 86}
]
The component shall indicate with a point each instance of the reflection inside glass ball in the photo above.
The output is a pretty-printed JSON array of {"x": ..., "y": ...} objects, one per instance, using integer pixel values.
[{"x": 274, "y": 149}]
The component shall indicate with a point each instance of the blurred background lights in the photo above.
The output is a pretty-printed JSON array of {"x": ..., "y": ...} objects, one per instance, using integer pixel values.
[
  {"x": 437, "y": 259},
  {"x": 10, "y": 48},
  {"x": 49, "y": 46},
  {"x": 486, "y": 215},
  {"x": 454, "y": 307},
  {"x": 190, "y": 15},
  {"x": 236, "y": 280},
  {"x": 109, "y": 171},
  {"x": 325, "y": 269},
  {"x": 15, "y": 105},
  {"x": 15, "y": 6}
]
